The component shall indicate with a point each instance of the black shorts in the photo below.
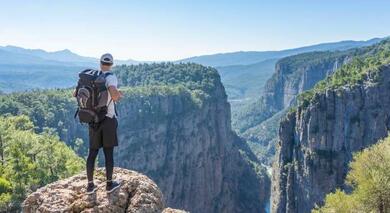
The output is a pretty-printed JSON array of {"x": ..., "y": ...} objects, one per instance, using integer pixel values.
[{"x": 104, "y": 135}]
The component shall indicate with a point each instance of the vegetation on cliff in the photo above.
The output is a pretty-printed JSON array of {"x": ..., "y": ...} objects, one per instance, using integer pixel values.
[
  {"x": 369, "y": 178},
  {"x": 30, "y": 160},
  {"x": 362, "y": 67},
  {"x": 52, "y": 109},
  {"x": 191, "y": 76}
]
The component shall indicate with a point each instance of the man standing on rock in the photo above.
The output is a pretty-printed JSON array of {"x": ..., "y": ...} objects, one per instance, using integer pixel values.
[{"x": 105, "y": 136}]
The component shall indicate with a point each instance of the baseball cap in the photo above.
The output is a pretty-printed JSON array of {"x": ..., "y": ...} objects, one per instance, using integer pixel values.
[{"x": 107, "y": 58}]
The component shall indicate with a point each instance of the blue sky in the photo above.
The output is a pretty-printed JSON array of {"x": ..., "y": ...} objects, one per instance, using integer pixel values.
[{"x": 173, "y": 29}]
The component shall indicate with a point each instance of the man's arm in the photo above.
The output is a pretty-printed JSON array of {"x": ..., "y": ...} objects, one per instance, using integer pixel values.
[{"x": 116, "y": 95}]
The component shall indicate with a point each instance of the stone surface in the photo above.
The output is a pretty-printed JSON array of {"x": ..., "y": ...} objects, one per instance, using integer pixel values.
[
  {"x": 137, "y": 194},
  {"x": 317, "y": 142},
  {"x": 170, "y": 210}
]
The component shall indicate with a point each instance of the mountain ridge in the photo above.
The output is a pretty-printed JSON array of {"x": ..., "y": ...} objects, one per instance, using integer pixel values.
[
  {"x": 59, "y": 57},
  {"x": 236, "y": 58},
  {"x": 249, "y": 57}
]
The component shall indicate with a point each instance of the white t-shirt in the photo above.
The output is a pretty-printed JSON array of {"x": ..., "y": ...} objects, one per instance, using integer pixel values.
[{"x": 111, "y": 80}]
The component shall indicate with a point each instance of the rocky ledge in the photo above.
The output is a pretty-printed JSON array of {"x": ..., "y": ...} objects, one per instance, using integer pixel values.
[{"x": 137, "y": 193}]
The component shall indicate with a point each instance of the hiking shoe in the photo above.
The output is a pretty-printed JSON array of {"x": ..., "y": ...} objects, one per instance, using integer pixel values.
[
  {"x": 112, "y": 186},
  {"x": 91, "y": 188}
]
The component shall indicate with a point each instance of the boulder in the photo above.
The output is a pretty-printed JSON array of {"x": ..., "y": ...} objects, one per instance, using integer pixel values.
[{"x": 137, "y": 193}]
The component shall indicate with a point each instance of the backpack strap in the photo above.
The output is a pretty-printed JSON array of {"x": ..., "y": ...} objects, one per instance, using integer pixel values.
[
  {"x": 106, "y": 74},
  {"x": 75, "y": 114},
  {"x": 116, "y": 112}
]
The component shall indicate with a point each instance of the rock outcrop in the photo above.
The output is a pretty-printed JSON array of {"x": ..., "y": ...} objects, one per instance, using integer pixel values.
[
  {"x": 137, "y": 194},
  {"x": 316, "y": 142}
]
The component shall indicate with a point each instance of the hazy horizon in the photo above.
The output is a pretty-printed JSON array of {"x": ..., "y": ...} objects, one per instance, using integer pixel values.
[
  {"x": 128, "y": 58},
  {"x": 166, "y": 31}
]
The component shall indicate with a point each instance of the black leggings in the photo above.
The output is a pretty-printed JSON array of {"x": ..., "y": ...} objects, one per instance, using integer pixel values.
[{"x": 109, "y": 159}]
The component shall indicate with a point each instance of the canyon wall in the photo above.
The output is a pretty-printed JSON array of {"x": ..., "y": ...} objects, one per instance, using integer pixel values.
[{"x": 316, "y": 142}]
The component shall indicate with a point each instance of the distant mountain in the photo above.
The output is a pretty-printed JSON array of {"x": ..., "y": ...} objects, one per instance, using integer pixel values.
[
  {"x": 129, "y": 62},
  {"x": 12, "y": 55},
  {"x": 246, "y": 80},
  {"x": 24, "y": 69},
  {"x": 7, "y": 57},
  {"x": 251, "y": 57}
]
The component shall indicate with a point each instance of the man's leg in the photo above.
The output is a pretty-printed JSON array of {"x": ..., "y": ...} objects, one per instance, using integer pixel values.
[
  {"x": 91, "y": 163},
  {"x": 110, "y": 140},
  {"x": 91, "y": 188},
  {"x": 109, "y": 159}
]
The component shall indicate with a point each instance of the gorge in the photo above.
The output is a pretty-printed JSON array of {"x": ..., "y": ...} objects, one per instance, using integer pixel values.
[{"x": 343, "y": 114}]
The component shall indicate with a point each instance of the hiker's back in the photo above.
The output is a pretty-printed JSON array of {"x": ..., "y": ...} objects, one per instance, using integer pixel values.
[{"x": 92, "y": 96}]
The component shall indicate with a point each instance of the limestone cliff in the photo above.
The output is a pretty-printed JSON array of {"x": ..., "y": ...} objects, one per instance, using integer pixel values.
[
  {"x": 296, "y": 74},
  {"x": 137, "y": 194},
  {"x": 293, "y": 75},
  {"x": 317, "y": 141},
  {"x": 191, "y": 152}
]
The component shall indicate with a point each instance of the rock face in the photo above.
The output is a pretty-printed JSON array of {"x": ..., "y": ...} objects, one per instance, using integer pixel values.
[
  {"x": 293, "y": 75},
  {"x": 296, "y": 74},
  {"x": 137, "y": 194},
  {"x": 317, "y": 142},
  {"x": 191, "y": 152}
]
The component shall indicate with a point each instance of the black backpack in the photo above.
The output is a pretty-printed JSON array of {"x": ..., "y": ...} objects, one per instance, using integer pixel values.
[{"x": 92, "y": 96}]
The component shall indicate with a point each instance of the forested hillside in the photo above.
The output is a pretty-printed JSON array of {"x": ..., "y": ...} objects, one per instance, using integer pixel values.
[
  {"x": 30, "y": 160},
  {"x": 48, "y": 109},
  {"x": 27, "y": 77}
]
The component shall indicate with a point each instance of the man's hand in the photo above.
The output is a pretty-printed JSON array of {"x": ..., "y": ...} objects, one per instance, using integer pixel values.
[
  {"x": 74, "y": 93},
  {"x": 116, "y": 95}
]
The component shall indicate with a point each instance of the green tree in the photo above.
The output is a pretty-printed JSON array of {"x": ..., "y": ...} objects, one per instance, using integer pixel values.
[
  {"x": 31, "y": 160},
  {"x": 369, "y": 178}
]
